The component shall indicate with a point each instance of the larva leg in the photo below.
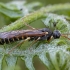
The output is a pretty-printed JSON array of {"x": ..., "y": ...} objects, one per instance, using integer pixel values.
[
  {"x": 29, "y": 26},
  {"x": 34, "y": 42},
  {"x": 18, "y": 45}
]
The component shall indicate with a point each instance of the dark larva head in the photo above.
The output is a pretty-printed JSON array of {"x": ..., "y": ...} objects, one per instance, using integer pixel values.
[{"x": 56, "y": 34}]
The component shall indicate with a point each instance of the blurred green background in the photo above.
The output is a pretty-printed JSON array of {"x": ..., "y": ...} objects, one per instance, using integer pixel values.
[
  {"x": 45, "y": 2},
  {"x": 37, "y": 63}
]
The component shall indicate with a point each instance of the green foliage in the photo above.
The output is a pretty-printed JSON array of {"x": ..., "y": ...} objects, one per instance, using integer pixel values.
[
  {"x": 16, "y": 9},
  {"x": 55, "y": 54},
  {"x": 50, "y": 21}
]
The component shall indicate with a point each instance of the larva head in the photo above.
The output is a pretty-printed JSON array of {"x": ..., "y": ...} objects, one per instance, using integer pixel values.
[{"x": 56, "y": 34}]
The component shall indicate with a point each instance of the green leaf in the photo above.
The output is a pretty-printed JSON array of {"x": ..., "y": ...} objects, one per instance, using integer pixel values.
[
  {"x": 8, "y": 12},
  {"x": 1, "y": 58},
  {"x": 45, "y": 60},
  {"x": 11, "y": 61},
  {"x": 59, "y": 21},
  {"x": 28, "y": 62}
]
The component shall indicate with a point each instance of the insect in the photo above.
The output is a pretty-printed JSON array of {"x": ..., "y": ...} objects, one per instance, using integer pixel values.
[
  {"x": 30, "y": 35},
  {"x": 40, "y": 34}
]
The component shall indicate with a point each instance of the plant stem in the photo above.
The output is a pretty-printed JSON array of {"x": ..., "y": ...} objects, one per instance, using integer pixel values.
[{"x": 35, "y": 16}]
